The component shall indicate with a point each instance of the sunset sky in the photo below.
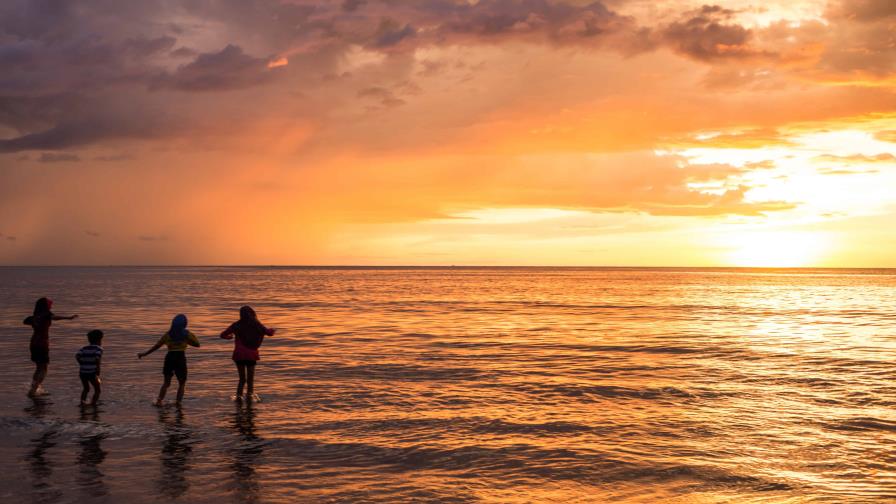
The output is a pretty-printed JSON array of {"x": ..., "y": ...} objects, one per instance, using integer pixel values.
[{"x": 388, "y": 132}]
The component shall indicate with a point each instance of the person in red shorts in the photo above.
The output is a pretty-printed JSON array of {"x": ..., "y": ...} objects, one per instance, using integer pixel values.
[
  {"x": 248, "y": 334},
  {"x": 41, "y": 320}
]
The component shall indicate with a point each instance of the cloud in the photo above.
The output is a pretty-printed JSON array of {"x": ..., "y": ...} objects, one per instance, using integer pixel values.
[
  {"x": 886, "y": 136},
  {"x": 708, "y": 34},
  {"x": 558, "y": 22},
  {"x": 845, "y": 171},
  {"x": 862, "y": 10},
  {"x": 152, "y": 238},
  {"x": 352, "y": 5},
  {"x": 227, "y": 69},
  {"x": 757, "y": 138},
  {"x": 391, "y": 33},
  {"x": 633, "y": 182},
  {"x": 884, "y": 157},
  {"x": 114, "y": 158},
  {"x": 382, "y": 95},
  {"x": 93, "y": 126},
  {"x": 50, "y": 157}
]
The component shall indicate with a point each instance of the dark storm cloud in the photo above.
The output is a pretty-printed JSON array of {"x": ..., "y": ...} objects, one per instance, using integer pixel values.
[
  {"x": 707, "y": 34},
  {"x": 90, "y": 128},
  {"x": 76, "y": 74},
  {"x": 391, "y": 33},
  {"x": 229, "y": 68},
  {"x": 559, "y": 21}
]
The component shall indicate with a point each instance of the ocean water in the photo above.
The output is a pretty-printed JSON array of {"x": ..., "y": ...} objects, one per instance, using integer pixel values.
[{"x": 462, "y": 385}]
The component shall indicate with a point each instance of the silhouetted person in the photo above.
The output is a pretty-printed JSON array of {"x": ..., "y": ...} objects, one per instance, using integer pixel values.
[
  {"x": 41, "y": 320},
  {"x": 248, "y": 334},
  {"x": 175, "y": 455},
  {"x": 89, "y": 359},
  {"x": 177, "y": 339}
]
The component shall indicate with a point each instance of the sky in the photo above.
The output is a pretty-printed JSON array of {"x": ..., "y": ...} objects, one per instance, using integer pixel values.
[{"x": 448, "y": 132}]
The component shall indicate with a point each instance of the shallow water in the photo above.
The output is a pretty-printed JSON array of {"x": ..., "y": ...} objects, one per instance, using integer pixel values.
[{"x": 463, "y": 385}]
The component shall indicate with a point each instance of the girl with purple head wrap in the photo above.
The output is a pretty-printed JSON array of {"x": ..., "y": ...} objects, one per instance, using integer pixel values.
[{"x": 177, "y": 339}]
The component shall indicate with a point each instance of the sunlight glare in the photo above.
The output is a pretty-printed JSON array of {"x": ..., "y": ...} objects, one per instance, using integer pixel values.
[{"x": 776, "y": 249}]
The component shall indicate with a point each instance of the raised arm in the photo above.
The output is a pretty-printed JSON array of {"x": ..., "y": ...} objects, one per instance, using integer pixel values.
[{"x": 152, "y": 349}]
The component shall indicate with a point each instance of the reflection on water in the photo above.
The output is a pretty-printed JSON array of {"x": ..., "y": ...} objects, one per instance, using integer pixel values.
[
  {"x": 246, "y": 454},
  {"x": 38, "y": 457},
  {"x": 90, "y": 477},
  {"x": 176, "y": 452}
]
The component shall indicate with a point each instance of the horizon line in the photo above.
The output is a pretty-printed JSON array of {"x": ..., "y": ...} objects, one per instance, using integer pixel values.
[{"x": 436, "y": 266}]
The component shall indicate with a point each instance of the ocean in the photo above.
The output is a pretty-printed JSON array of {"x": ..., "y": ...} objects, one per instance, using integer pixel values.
[{"x": 461, "y": 385}]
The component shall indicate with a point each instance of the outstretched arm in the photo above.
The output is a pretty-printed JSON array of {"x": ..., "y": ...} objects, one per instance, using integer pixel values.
[
  {"x": 60, "y": 317},
  {"x": 151, "y": 350},
  {"x": 269, "y": 332}
]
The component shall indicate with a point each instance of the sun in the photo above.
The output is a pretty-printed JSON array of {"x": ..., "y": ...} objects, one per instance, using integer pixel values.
[{"x": 776, "y": 249}]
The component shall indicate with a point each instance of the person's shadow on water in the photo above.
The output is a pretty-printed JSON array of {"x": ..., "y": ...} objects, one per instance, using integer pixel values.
[
  {"x": 90, "y": 478},
  {"x": 39, "y": 465},
  {"x": 246, "y": 454},
  {"x": 176, "y": 452}
]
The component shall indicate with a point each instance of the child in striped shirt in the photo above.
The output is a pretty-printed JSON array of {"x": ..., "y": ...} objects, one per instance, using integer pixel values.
[{"x": 89, "y": 359}]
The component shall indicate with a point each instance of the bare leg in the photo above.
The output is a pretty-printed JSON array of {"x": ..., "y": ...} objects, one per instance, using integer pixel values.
[
  {"x": 40, "y": 373},
  {"x": 250, "y": 381},
  {"x": 181, "y": 387},
  {"x": 241, "y": 370},
  {"x": 97, "y": 388},
  {"x": 85, "y": 387},
  {"x": 163, "y": 390}
]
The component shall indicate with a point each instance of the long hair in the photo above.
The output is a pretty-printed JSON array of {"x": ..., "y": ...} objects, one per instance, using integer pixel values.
[
  {"x": 249, "y": 329},
  {"x": 178, "y": 330},
  {"x": 42, "y": 307}
]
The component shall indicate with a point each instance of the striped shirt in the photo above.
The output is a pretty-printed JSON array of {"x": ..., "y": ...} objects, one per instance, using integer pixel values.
[{"x": 89, "y": 358}]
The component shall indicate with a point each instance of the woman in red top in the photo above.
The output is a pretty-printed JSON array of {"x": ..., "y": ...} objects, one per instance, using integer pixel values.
[
  {"x": 40, "y": 341},
  {"x": 249, "y": 334}
]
